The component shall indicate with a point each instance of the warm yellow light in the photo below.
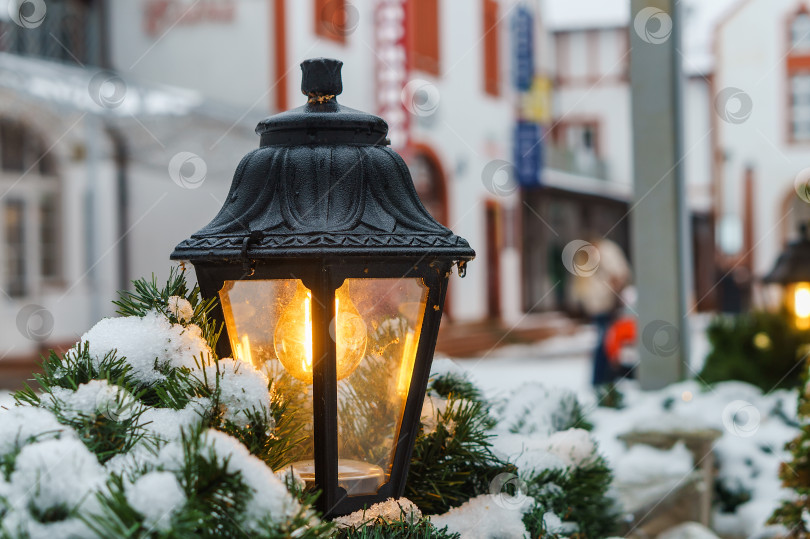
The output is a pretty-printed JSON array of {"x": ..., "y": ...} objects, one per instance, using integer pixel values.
[
  {"x": 406, "y": 365},
  {"x": 801, "y": 305},
  {"x": 802, "y": 300},
  {"x": 246, "y": 349},
  {"x": 293, "y": 335}
]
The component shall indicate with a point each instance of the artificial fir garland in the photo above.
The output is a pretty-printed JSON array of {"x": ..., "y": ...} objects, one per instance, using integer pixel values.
[{"x": 211, "y": 467}]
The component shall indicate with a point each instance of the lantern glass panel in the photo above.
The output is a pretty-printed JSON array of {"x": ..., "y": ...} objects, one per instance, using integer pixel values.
[
  {"x": 263, "y": 318},
  {"x": 371, "y": 400},
  {"x": 797, "y": 297},
  {"x": 376, "y": 331}
]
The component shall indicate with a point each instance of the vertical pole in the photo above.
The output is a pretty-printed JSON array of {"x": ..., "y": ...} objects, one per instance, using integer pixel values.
[
  {"x": 659, "y": 213},
  {"x": 92, "y": 223}
]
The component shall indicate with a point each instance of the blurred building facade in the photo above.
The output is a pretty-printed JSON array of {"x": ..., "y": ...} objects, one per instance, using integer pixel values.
[
  {"x": 121, "y": 122},
  {"x": 593, "y": 125},
  {"x": 762, "y": 142},
  {"x": 100, "y": 174}
]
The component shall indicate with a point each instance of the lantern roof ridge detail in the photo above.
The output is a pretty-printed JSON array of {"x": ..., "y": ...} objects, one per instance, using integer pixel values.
[{"x": 323, "y": 182}]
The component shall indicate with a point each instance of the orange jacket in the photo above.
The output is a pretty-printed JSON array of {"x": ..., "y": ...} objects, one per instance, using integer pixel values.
[{"x": 621, "y": 333}]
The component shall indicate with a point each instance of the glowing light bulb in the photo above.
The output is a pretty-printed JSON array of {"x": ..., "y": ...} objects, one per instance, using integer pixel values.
[{"x": 292, "y": 338}]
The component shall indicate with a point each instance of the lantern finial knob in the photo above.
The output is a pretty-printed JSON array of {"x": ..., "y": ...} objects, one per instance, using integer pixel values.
[{"x": 321, "y": 80}]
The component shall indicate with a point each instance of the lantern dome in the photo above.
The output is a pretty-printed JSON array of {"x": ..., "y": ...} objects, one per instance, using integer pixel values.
[
  {"x": 324, "y": 180},
  {"x": 793, "y": 265}
]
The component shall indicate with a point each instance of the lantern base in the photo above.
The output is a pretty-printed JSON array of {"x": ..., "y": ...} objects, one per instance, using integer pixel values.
[{"x": 354, "y": 476}]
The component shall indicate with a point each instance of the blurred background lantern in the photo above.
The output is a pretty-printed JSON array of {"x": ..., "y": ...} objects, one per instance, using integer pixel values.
[
  {"x": 792, "y": 271},
  {"x": 331, "y": 277}
]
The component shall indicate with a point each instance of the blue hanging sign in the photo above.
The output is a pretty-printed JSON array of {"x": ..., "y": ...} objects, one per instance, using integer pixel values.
[
  {"x": 528, "y": 157},
  {"x": 523, "y": 48}
]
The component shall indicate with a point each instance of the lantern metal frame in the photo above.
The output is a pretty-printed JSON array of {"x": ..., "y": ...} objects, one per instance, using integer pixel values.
[
  {"x": 793, "y": 264},
  {"x": 258, "y": 236}
]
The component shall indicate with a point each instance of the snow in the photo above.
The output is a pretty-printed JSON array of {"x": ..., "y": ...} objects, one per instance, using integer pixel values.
[
  {"x": 151, "y": 344},
  {"x": 270, "y": 495},
  {"x": 22, "y": 425},
  {"x": 167, "y": 424},
  {"x": 52, "y": 475},
  {"x": 646, "y": 464},
  {"x": 6, "y": 400},
  {"x": 180, "y": 308},
  {"x": 96, "y": 397},
  {"x": 534, "y": 409},
  {"x": 688, "y": 530},
  {"x": 242, "y": 389},
  {"x": 434, "y": 406},
  {"x": 754, "y": 426},
  {"x": 389, "y": 510},
  {"x": 573, "y": 446},
  {"x": 530, "y": 454},
  {"x": 486, "y": 517},
  {"x": 156, "y": 496}
]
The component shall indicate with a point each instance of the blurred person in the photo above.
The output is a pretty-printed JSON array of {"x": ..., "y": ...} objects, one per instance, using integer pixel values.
[{"x": 598, "y": 293}]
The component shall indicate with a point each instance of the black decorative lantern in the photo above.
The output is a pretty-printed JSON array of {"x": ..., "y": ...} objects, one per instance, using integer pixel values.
[
  {"x": 331, "y": 277},
  {"x": 792, "y": 271}
]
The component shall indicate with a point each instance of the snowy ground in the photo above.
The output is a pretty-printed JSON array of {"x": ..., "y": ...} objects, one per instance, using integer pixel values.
[
  {"x": 5, "y": 399},
  {"x": 754, "y": 426}
]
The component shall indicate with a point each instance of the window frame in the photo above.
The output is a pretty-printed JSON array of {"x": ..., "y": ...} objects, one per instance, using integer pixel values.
[
  {"x": 490, "y": 23},
  {"x": 38, "y": 180},
  {"x": 424, "y": 29},
  {"x": 797, "y": 63}
]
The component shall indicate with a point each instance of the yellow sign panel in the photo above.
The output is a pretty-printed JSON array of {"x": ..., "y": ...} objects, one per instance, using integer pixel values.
[{"x": 535, "y": 105}]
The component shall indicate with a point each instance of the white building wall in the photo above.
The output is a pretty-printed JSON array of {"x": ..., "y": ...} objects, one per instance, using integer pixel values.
[
  {"x": 754, "y": 62},
  {"x": 228, "y": 61},
  {"x": 697, "y": 128}
]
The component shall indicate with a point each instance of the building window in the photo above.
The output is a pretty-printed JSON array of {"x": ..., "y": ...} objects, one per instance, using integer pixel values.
[
  {"x": 800, "y": 106},
  {"x": 425, "y": 38},
  {"x": 331, "y": 21},
  {"x": 798, "y": 76},
  {"x": 30, "y": 213},
  {"x": 800, "y": 32},
  {"x": 491, "y": 49},
  {"x": 67, "y": 31},
  {"x": 14, "y": 233}
]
